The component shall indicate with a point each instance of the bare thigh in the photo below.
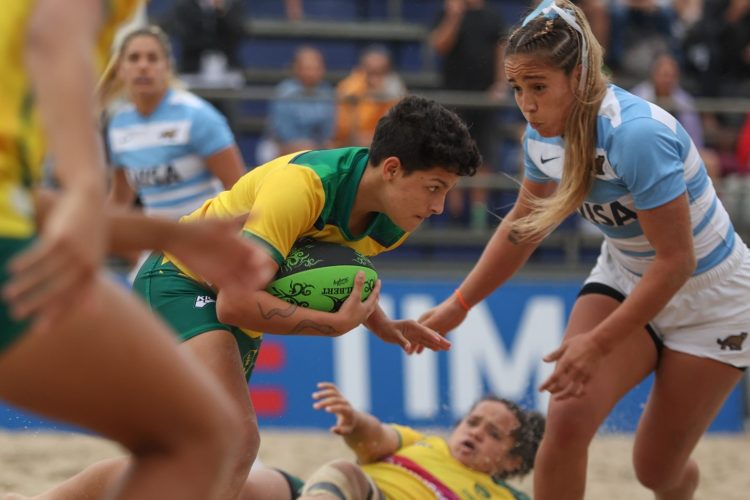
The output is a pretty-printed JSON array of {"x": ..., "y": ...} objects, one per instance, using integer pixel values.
[
  {"x": 218, "y": 352},
  {"x": 687, "y": 394},
  {"x": 111, "y": 366},
  {"x": 631, "y": 360}
]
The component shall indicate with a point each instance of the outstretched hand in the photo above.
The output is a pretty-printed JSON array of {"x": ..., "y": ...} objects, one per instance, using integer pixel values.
[
  {"x": 411, "y": 336},
  {"x": 577, "y": 358},
  {"x": 59, "y": 268},
  {"x": 330, "y": 399}
]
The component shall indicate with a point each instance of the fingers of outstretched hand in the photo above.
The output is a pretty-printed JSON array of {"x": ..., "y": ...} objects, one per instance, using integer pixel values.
[
  {"x": 555, "y": 355},
  {"x": 326, "y": 394},
  {"x": 566, "y": 382},
  {"x": 337, "y": 407},
  {"x": 573, "y": 390},
  {"x": 327, "y": 385},
  {"x": 41, "y": 277},
  {"x": 342, "y": 430},
  {"x": 401, "y": 340},
  {"x": 422, "y": 336}
]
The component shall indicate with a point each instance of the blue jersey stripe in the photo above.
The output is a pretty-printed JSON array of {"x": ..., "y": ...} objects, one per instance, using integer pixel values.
[
  {"x": 706, "y": 218},
  {"x": 650, "y": 253},
  {"x": 718, "y": 254},
  {"x": 205, "y": 194},
  {"x": 630, "y": 231},
  {"x": 697, "y": 185}
]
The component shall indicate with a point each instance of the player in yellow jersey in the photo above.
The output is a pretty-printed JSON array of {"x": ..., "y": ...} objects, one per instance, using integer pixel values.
[
  {"x": 495, "y": 441},
  {"x": 75, "y": 346},
  {"x": 368, "y": 199}
]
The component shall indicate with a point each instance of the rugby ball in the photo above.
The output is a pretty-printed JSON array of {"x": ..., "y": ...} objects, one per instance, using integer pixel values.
[{"x": 320, "y": 275}]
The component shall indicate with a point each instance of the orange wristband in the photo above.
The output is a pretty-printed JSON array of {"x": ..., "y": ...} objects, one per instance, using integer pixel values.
[{"x": 461, "y": 300}]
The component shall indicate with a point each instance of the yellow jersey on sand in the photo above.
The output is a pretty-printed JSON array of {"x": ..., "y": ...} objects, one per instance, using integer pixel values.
[{"x": 423, "y": 467}]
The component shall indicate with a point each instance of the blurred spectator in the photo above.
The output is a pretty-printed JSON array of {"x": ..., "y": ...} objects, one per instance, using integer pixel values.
[
  {"x": 468, "y": 34},
  {"x": 370, "y": 90},
  {"x": 735, "y": 43},
  {"x": 717, "y": 49},
  {"x": 663, "y": 88},
  {"x": 743, "y": 148},
  {"x": 208, "y": 34},
  {"x": 597, "y": 13},
  {"x": 169, "y": 147},
  {"x": 302, "y": 114},
  {"x": 639, "y": 31},
  {"x": 294, "y": 9}
]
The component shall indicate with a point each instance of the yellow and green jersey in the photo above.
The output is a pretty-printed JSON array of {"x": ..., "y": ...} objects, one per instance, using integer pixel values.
[
  {"x": 21, "y": 138},
  {"x": 423, "y": 467},
  {"x": 308, "y": 194}
]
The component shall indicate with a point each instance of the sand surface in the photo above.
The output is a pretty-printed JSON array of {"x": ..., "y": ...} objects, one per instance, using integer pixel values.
[{"x": 32, "y": 462}]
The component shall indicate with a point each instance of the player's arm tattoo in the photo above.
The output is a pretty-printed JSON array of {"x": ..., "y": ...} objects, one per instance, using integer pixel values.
[
  {"x": 304, "y": 326},
  {"x": 277, "y": 311},
  {"x": 311, "y": 327}
]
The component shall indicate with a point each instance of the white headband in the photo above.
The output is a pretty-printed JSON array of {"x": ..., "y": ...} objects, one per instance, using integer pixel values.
[{"x": 550, "y": 10}]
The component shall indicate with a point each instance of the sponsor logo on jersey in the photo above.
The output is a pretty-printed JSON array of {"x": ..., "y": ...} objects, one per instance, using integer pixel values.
[
  {"x": 155, "y": 176},
  {"x": 202, "y": 300},
  {"x": 607, "y": 214},
  {"x": 599, "y": 165},
  {"x": 732, "y": 342}
]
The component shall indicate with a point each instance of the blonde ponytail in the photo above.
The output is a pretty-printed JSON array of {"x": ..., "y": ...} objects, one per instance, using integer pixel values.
[{"x": 560, "y": 44}]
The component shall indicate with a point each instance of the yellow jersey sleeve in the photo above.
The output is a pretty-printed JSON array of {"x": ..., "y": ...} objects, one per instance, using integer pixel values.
[
  {"x": 287, "y": 203},
  {"x": 406, "y": 435}
]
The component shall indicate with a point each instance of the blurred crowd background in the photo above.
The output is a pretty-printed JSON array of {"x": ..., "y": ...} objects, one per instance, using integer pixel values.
[{"x": 298, "y": 74}]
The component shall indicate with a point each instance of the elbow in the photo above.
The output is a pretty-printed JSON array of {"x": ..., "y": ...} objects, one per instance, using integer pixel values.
[
  {"x": 688, "y": 263},
  {"x": 689, "y": 266},
  {"x": 682, "y": 267}
]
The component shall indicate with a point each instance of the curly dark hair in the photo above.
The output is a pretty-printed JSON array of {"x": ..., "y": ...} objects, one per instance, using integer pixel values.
[
  {"x": 526, "y": 436},
  {"x": 424, "y": 134}
]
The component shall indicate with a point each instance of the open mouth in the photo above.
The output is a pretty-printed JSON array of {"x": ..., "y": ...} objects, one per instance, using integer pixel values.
[{"x": 468, "y": 445}]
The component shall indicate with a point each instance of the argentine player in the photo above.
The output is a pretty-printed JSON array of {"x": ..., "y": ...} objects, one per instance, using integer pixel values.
[{"x": 669, "y": 292}]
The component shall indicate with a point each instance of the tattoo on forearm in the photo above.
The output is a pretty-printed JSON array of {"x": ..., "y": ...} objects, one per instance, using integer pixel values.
[
  {"x": 513, "y": 237},
  {"x": 276, "y": 311},
  {"x": 307, "y": 326}
]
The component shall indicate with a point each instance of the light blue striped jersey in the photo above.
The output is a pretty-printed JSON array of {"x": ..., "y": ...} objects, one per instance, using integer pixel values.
[
  {"x": 644, "y": 159},
  {"x": 163, "y": 154}
]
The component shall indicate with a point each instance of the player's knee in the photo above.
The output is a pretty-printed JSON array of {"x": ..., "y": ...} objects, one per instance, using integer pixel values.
[
  {"x": 248, "y": 439},
  {"x": 568, "y": 427},
  {"x": 222, "y": 438},
  {"x": 663, "y": 475},
  {"x": 340, "y": 479}
]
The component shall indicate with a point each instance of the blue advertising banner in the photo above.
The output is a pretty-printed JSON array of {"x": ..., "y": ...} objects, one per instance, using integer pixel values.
[{"x": 498, "y": 349}]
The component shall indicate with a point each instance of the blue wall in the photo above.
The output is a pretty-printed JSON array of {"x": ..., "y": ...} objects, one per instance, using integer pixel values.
[{"x": 497, "y": 349}]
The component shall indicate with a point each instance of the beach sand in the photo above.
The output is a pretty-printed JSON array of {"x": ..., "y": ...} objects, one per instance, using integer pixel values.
[{"x": 30, "y": 462}]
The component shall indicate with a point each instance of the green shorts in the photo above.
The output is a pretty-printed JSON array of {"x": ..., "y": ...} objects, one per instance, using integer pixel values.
[
  {"x": 187, "y": 306},
  {"x": 10, "y": 329}
]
